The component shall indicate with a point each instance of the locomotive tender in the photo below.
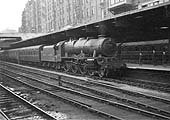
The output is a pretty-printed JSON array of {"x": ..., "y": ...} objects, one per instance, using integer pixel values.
[{"x": 85, "y": 55}]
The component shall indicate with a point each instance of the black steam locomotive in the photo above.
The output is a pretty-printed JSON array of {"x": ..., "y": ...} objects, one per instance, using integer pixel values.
[{"x": 85, "y": 55}]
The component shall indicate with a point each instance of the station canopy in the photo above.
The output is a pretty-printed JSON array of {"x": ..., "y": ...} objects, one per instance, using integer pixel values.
[
  {"x": 147, "y": 24},
  {"x": 6, "y": 39}
]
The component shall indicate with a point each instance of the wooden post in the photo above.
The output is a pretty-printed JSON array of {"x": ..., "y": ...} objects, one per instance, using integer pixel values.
[
  {"x": 59, "y": 81},
  {"x": 153, "y": 58},
  {"x": 163, "y": 58},
  {"x": 140, "y": 58},
  {"x": 168, "y": 53}
]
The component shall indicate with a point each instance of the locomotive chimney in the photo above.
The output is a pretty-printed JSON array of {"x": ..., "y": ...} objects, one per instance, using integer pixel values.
[{"x": 103, "y": 28}]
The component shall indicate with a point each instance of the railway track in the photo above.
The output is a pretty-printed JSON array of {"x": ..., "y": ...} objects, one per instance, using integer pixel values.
[
  {"x": 146, "y": 84},
  {"x": 104, "y": 94},
  {"x": 14, "y": 107},
  {"x": 63, "y": 109},
  {"x": 165, "y": 87},
  {"x": 51, "y": 91}
]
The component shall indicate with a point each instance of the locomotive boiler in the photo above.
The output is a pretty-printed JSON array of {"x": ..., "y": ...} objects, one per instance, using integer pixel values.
[{"x": 91, "y": 47}]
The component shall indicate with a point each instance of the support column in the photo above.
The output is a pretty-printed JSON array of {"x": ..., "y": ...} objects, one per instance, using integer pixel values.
[{"x": 168, "y": 62}]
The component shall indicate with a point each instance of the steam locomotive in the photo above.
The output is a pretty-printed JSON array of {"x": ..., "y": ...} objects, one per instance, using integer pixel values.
[{"x": 85, "y": 55}]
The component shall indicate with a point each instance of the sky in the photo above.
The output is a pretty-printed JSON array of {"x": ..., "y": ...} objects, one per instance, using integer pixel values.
[{"x": 11, "y": 13}]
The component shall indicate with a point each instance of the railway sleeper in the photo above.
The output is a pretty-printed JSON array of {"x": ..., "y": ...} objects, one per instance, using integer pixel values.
[
  {"x": 3, "y": 97},
  {"x": 21, "y": 117},
  {"x": 13, "y": 110},
  {"x": 6, "y": 101},
  {"x": 8, "y": 107},
  {"x": 23, "y": 113}
]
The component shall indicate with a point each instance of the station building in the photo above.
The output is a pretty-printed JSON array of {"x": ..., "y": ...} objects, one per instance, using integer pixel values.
[{"x": 45, "y": 16}]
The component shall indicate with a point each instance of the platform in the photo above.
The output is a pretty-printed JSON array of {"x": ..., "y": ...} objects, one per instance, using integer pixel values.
[{"x": 149, "y": 67}]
